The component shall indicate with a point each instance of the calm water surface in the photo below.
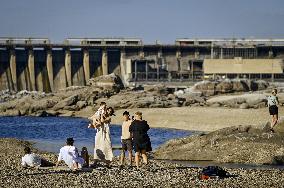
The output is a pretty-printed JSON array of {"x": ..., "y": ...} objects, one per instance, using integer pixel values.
[{"x": 50, "y": 133}]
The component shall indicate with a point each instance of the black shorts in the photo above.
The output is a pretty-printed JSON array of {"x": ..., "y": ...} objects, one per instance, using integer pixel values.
[
  {"x": 143, "y": 146},
  {"x": 126, "y": 144},
  {"x": 273, "y": 110}
]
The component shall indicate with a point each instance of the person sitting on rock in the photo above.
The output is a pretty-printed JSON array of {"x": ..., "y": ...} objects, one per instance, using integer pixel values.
[
  {"x": 70, "y": 155},
  {"x": 272, "y": 102},
  {"x": 32, "y": 160},
  {"x": 98, "y": 116}
]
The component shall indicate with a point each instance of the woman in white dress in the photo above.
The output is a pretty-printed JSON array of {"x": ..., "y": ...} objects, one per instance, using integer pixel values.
[{"x": 103, "y": 148}]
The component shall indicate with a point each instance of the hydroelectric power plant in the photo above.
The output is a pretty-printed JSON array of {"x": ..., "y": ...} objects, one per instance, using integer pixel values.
[{"x": 37, "y": 64}]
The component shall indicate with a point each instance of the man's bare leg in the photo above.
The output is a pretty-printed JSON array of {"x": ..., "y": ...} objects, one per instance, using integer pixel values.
[
  {"x": 137, "y": 159},
  {"x": 144, "y": 157},
  {"x": 122, "y": 157},
  {"x": 130, "y": 157},
  {"x": 75, "y": 166}
]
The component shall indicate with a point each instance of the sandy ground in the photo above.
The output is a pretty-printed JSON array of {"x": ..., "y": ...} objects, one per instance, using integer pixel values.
[{"x": 200, "y": 118}]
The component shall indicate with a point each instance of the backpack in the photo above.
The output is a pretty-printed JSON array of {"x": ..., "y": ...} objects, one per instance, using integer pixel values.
[{"x": 212, "y": 172}]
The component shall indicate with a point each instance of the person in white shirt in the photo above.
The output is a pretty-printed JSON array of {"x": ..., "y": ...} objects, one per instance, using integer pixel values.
[
  {"x": 126, "y": 140},
  {"x": 272, "y": 102},
  {"x": 30, "y": 159},
  {"x": 70, "y": 155}
]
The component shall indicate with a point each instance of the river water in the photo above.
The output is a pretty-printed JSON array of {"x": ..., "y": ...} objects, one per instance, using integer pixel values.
[{"x": 50, "y": 133}]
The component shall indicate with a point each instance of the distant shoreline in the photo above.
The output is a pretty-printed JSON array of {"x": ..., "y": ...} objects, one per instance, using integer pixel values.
[{"x": 201, "y": 119}]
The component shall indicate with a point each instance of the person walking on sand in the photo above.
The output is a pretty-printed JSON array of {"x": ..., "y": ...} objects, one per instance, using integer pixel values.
[
  {"x": 141, "y": 140},
  {"x": 272, "y": 102},
  {"x": 126, "y": 141},
  {"x": 103, "y": 147}
]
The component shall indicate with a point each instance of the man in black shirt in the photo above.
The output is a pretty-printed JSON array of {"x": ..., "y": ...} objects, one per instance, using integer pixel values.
[{"x": 141, "y": 140}]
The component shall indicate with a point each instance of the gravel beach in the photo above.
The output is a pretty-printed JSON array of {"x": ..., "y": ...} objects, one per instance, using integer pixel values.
[{"x": 156, "y": 174}]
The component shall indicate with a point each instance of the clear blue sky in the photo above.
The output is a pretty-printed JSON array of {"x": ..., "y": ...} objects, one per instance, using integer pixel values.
[{"x": 163, "y": 20}]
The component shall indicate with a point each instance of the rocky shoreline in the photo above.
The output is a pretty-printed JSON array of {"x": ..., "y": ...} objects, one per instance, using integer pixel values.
[
  {"x": 156, "y": 174},
  {"x": 81, "y": 101},
  {"x": 237, "y": 144}
]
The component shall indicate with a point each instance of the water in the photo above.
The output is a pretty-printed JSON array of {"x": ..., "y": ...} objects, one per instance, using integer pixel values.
[{"x": 50, "y": 133}]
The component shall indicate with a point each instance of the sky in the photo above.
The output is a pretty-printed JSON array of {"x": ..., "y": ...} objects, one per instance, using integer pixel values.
[{"x": 150, "y": 20}]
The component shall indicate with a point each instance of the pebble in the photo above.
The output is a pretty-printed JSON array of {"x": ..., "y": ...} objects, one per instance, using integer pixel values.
[{"x": 155, "y": 174}]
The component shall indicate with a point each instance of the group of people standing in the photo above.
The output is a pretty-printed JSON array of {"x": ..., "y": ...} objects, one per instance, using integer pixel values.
[{"x": 133, "y": 136}]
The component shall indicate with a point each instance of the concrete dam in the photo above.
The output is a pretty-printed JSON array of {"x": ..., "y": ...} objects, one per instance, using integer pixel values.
[{"x": 39, "y": 65}]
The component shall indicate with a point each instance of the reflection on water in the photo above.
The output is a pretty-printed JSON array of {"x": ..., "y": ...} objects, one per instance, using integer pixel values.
[{"x": 50, "y": 133}]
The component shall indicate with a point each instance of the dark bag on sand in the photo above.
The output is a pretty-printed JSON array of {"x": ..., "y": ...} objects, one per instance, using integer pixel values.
[{"x": 212, "y": 172}]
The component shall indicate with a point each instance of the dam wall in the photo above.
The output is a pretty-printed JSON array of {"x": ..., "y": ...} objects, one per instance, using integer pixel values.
[{"x": 39, "y": 65}]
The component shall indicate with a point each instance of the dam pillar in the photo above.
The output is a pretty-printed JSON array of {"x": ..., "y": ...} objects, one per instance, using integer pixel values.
[
  {"x": 196, "y": 54},
  {"x": 86, "y": 64},
  {"x": 141, "y": 54},
  {"x": 13, "y": 68},
  {"x": 122, "y": 64},
  {"x": 158, "y": 62},
  {"x": 212, "y": 51},
  {"x": 104, "y": 62},
  {"x": 49, "y": 69},
  {"x": 31, "y": 65},
  {"x": 68, "y": 67}
]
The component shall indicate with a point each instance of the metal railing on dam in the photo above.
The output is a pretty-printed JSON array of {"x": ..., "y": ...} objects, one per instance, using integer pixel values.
[{"x": 38, "y": 64}]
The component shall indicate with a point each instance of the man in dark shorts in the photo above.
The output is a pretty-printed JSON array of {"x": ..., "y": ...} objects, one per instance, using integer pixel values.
[
  {"x": 126, "y": 140},
  {"x": 272, "y": 102},
  {"x": 141, "y": 140}
]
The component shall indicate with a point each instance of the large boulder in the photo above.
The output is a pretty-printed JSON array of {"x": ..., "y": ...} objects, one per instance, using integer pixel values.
[
  {"x": 240, "y": 144},
  {"x": 242, "y": 101},
  {"x": 259, "y": 85},
  {"x": 157, "y": 89},
  {"x": 225, "y": 86},
  {"x": 110, "y": 82},
  {"x": 209, "y": 88},
  {"x": 240, "y": 85},
  {"x": 206, "y": 87},
  {"x": 66, "y": 102}
]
